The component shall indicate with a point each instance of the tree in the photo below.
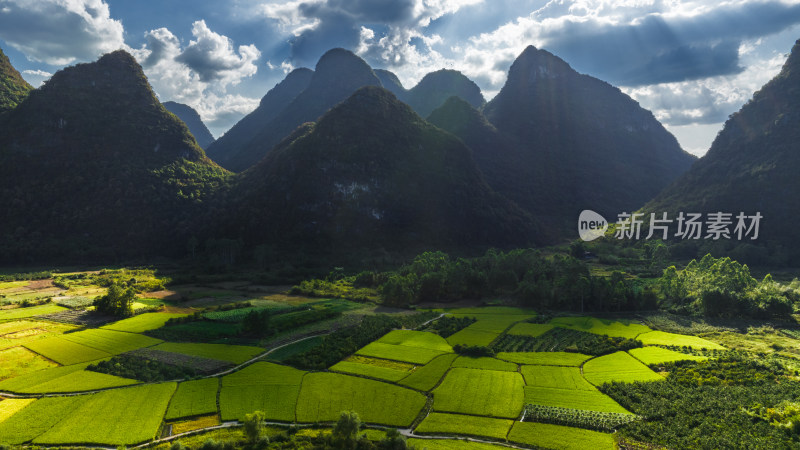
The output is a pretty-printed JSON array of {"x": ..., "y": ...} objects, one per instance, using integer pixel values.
[
  {"x": 117, "y": 302},
  {"x": 346, "y": 430},
  {"x": 253, "y": 424}
]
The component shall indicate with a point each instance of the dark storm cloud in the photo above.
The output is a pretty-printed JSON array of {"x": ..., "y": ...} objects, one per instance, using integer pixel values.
[{"x": 659, "y": 49}]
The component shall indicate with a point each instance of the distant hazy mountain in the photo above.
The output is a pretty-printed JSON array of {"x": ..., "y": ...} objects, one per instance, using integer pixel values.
[
  {"x": 92, "y": 165},
  {"x": 276, "y": 100},
  {"x": 390, "y": 81},
  {"x": 192, "y": 120},
  {"x": 337, "y": 75},
  {"x": 13, "y": 88},
  {"x": 752, "y": 166},
  {"x": 373, "y": 174},
  {"x": 568, "y": 142},
  {"x": 436, "y": 87}
]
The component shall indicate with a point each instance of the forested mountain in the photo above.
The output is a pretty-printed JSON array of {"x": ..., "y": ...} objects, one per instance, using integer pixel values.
[
  {"x": 337, "y": 75},
  {"x": 93, "y": 166},
  {"x": 278, "y": 98},
  {"x": 192, "y": 120},
  {"x": 13, "y": 88},
  {"x": 558, "y": 142},
  {"x": 752, "y": 167},
  {"x": 436, "y": 87},
  {"x": 372, "y": 174}
]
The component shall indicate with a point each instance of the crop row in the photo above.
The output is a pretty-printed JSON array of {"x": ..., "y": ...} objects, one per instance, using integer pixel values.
[{"x": 592, "y": 420}]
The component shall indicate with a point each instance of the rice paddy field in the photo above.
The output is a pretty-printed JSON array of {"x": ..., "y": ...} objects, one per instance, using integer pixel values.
[{"x": 404, "y": 378}]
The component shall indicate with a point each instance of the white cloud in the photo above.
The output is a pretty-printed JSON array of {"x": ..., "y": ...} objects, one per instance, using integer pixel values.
[
  {"x": 200, "y": 73},
  {"x": 36, "y": 77},
  {"x": 60, "y": 32}
]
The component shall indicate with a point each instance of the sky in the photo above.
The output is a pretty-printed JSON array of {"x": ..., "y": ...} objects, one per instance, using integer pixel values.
[{"x": 692, "y": 63}]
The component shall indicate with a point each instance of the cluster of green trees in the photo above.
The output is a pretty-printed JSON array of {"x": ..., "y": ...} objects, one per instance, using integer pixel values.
[
  {"x": 536, "y": 280},
  {"x": 449, "y": 325},
  {"x": 127, "y": 366},
  {"x": 736, "y": 402},
  {"x": 117, "y": 302},
  {"x": 724, "y": 288}
]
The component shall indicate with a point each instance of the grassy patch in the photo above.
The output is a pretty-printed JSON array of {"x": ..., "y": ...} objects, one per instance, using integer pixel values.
[
  {"x": 678, "y": 340},
  {"x": 658, "y": 355},
  {"x": 556, "y": 377},
  {"x": 284, "y": 353},
  {"x": 472, "y": 337},
  {"x": 440, "y": 423},
  {"x": 593, "y": 400},
  {"x": 530, "y": 329},
  {"x": 545, "y": 358},
  {"x": 83, "y": 380},
  {"x": 616, "y": 328},
  {"x": 484, "y": 363},
  {"x": 37, "y": 418},
  {"x": 113, "y": 342},
  {"x": 263, "y": 386},
  {"x": 618, "y": 366},
  {"x": 16, "y": 361},
  {"x": 375, "y": 368},
  {"x": 416, "y": 355},
  {"x": 11, "y": 406},
  {"x": 452, "y": 444},
  {"x": 324, "y": 395},
  {"x": 194, "y": 398},
  {"x": 232, "y": 353},
  {"x": 560, "y": 437},
  {"x": 480, "y": 392},
  {"x": 66, "y": 352},
  {"x": 426, "y": 377},
  {"x": 143, "y": 406},
  {"x": 142, "y": 322},
  {"x": 195, "y": 424},
  {"x": 419, "y": 339},
  {"x": 32, "y": 311}
]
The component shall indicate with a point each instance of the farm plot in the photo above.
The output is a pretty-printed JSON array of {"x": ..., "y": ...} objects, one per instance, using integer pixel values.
[
  {"x": 496, "y": 323},
  {"x": 458, "y": 424},
  {"x": 472, "y": 337},
  {"x": 232, "y": 353},
  {"x": 573, "y": 399},
  {"x": 530, "y": 329},
  {"x": 78, "y": 381},
  {"x": 618, "y": 366},
  {"x": 20, "y": 332},
  {"x": 142, "y": 322},
  {"x": 16, "y": 361},
  {"x": 196, "y": 363},
  {"x": 100, "y": 419},
  {"x": 381, "y": 369},
  {"x": 545, "y": 358},
  {"x": 416, "y": 355},
  {"x": 11, "y": 406},
  {"x": 31, "y": 311},
  {"x": 559, "y": 437},
  {"x": 453, "y": 444},
  {"x": 678, "y": 340},
  {"x": 37, "y": 418},
  {"x": 484, "y": 363},
  {"x": 66, "y": 352},
  {"x": 419, "y": 339},
  {"x": 263, "y": 386},
  {"x": 614, "y": 328},
  {"x": 658, "y": 355},
  {"x": 556, "y": 377},
  {"x": 480, "y": 392},
  {"x": 194, "y": 398},
  {"x": 581, "y": 418},
  {"x": 556, "y": 339},
  {"x": 324, "y": 396},
  {"x": 426, "y": 377},
  {"x": 113, "y": 342},
  {"x": 493, "y": 310},
  {"x": 24, "y": 382}
]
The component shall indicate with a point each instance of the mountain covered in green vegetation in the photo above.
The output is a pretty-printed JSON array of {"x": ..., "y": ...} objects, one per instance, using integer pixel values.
[
  {"x": 433, "y": 89},
  {"x": 558, "y": 142},
  {"x": 372, "y": 174},
  {"x": 192, "y": 120},
  {"x": 275, "y": 101},
  {"x": 337, "y": 75},
  {"x": 13, "y": 88},
  {"x": 752, "y": 167},
  {"x": 93, "y": 166}
]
